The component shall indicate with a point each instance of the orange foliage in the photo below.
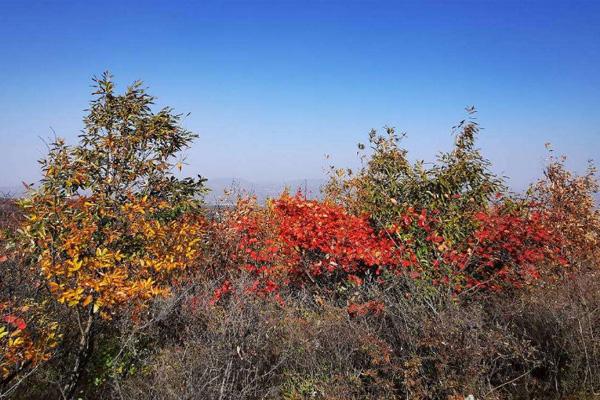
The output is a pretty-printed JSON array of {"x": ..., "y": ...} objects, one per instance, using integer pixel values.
[
  {"x": 86, "y": 260},
  {"x": 568, "y": 201}
]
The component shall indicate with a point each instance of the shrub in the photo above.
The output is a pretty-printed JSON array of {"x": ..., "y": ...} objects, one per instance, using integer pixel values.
[
  {"x": 248, "y": 347},
  {"x": 568, "y": 201},
  {"x": 414, "y": 344},
  {"x": 507, "y": 249},
  {"x": 294, "y": 242}
]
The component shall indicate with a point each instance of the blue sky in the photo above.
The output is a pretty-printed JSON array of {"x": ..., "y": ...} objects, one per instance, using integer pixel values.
[{"x": 273, "y": 86}]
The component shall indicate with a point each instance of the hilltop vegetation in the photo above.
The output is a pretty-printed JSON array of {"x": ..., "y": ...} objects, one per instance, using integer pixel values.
[{"x": 407, "y": 280}]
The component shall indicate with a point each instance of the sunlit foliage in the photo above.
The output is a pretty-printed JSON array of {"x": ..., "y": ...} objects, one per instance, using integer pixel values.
[
  {"x": 400, "y": 280},
  {"x": 109, "y": 224}
]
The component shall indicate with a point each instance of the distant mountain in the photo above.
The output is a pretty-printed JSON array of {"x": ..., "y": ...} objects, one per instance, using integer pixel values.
[
  {"x": 261, "y": 189},
  {"x": 218, "y": 187}
]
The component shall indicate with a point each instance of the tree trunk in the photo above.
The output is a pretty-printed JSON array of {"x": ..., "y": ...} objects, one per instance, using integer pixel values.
[{"x": 83, "y": 353}]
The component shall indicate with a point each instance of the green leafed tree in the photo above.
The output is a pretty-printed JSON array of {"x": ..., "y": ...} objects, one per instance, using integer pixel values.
[{"x": 457, "y": 184}]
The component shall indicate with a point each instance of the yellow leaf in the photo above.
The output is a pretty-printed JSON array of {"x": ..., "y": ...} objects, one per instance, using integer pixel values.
[
  {"x": 75, "y": 265},
  {"x": 73, "y": 302}
]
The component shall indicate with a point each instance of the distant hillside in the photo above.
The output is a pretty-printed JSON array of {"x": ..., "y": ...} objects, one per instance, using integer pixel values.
[
  {"x": 262, "y": 190},
  {"x": 218, "y": 186}
]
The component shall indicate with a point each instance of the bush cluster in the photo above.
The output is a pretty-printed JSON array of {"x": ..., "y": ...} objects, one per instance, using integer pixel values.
[{"x": 407, "y": 280}]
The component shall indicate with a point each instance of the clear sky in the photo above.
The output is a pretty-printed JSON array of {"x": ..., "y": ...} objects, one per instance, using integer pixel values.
[{"x": 273, "y": 86}]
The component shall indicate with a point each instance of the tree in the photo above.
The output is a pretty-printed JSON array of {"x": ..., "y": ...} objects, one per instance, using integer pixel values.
[
  {"x": 109, "y": 225},
  {"x": 459, "y": 184}
]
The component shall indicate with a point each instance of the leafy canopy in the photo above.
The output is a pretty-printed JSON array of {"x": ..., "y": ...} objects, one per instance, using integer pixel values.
[
  {"x": 110, "y": 223},
  {"x": 457, "y": 185}
]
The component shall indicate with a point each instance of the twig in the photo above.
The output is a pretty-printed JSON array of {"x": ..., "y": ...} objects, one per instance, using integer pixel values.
[{"x": 508, "y": 383}]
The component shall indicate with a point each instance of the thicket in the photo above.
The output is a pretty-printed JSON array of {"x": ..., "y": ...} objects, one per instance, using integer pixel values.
[{"x": 408, "y": 280}]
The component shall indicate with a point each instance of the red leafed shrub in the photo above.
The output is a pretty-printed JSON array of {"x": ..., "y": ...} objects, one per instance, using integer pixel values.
[
  {"x": 508, "y": 248},
  {"x": 418, "y": 236},
  {"x": 249, "y": 241},
  {"x": 295, "y": 241},
  {"x": 336, "y": 240}
]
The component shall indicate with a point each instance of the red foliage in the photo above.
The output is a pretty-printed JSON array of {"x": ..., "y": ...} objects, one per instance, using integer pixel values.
[
  {"x": 508, "y": 248},
  {"x": 339, "y": 242},
  {"x": 221, "y": 291},
  {"x": 17, "y": 322},
  {"x": 295, "y": 242}
]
